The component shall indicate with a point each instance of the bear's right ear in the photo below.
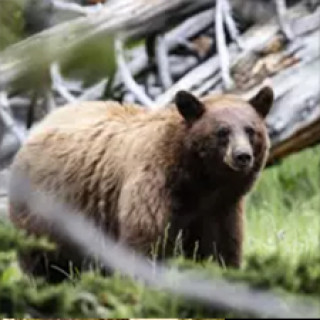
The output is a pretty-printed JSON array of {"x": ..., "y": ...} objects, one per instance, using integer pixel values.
[
  {"x": 263, "y": 101},
  {"x": 189, "y": 106}
]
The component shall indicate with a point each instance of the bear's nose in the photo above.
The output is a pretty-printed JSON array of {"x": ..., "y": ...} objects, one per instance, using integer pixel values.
[{"x": 242, "y": 158}]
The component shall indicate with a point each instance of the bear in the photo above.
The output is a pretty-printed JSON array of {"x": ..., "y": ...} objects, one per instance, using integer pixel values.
[{"x": 183, "y": 170}]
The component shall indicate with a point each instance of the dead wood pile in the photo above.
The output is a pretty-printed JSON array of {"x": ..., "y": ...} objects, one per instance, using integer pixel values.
[{"x": 181, "y": 48}]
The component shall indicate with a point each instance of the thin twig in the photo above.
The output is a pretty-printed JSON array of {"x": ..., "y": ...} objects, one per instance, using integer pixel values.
[
  {"x": 284, "y": 23},
  {"x": 49, "y": 101},
  {"x": 75, "y": 7},
  {"x": 222, "y": 46},
  {"x": 163, "y": 62},
  {"x": 94, "y": 92},
  {"x": 57, "y": 84},
  {"x": 231, "y": 25},
  {"x": 32, "y": 104},
  {"x": 127, "y": 78},
  {"x": 7, "y": 118}
]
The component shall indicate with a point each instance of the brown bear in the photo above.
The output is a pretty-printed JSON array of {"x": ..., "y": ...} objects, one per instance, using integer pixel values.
[{"x": 134, "y": 172}]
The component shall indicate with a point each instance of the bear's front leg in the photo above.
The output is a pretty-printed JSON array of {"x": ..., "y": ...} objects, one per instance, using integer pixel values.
[
  {"x": 143, "y": 211},
  {"x": 222, "y": 236}
]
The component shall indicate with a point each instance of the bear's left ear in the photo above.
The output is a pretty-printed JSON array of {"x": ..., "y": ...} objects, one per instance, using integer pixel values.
[
  {"x": 189, "y": 106},
  {"x": 263, "y": 101}
]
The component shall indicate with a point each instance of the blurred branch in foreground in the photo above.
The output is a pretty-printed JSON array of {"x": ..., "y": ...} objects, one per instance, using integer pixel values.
[{"x": 218, "y": 294}]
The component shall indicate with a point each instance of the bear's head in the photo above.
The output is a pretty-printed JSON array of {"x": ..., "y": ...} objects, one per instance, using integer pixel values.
[{"x": 226, "y": 134}]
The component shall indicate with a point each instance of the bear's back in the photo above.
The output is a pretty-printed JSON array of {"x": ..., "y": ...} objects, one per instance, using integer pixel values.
[
  {"x": 83, "y": 153},
  {"x": 87, "y": 114}
]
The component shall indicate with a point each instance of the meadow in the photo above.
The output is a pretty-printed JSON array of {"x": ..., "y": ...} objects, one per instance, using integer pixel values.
[
  {"x": 283, "y": 212},
  {"x": 281, "y": 253}
]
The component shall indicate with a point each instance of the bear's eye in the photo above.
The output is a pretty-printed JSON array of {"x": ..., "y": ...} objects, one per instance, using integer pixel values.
[
  {"x": 223, "y": 133},
  {"x": 250, "y": 132}
]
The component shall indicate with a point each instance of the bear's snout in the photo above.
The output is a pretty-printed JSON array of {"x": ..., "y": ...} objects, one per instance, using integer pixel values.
[
  {"x": 239, "y": 153},
  {"x": 242, "y": 159}
]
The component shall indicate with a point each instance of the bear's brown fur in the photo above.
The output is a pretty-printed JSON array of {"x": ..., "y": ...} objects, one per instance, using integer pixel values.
[{"x": 134, "y": 171}]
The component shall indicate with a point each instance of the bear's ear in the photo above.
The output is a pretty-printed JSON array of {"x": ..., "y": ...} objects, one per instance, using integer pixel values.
[
  {"x": 262, "y": 101},
  {"x": 189, "y": 106}
]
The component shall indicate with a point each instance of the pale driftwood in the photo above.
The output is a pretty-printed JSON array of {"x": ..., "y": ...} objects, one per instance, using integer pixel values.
[
  {"x": 9, "y": 147},
  {"x": 295, "y": 122},
  {"x": 255, "y": 38},
  {"x": 7, "y": 120},
  {"x": 11, "y": 135},
  {"x": 178, "y": 35},
  {"x": 222, "y": 49},
  {"x": 94, "y": 92},
  {"x": 76, "y": 8},
  {"x": 163, "y": 62},
  {"x": 4, "y": 182},
  {"x": 58, "y": 85},
  {"x": 127, "y": 78},
  {"x": 283, "y": 20},
  {"x": 231, "y": 25},
  {"x": 302, "y": 138},
  {"x": 133, "y": 18},
  {"x": 286, "y": 80}
]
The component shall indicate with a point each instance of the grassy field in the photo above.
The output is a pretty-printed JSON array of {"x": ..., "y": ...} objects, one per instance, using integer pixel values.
[
  {"x": 283, "y": 212},
  {"x": 281, "y": 252}
]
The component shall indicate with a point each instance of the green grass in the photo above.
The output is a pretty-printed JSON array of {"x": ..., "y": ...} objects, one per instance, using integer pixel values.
[
  {"x": 281, "y": 253},
  {"x": 283, "y": 212}
]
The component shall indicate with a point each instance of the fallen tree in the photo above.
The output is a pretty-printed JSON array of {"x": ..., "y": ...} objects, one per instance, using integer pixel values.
[
  {"x": 185, "y": 58},
  {"x": 131, "y": 18}
]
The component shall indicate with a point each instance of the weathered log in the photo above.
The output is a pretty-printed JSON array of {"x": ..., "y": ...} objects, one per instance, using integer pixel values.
[
  {"x": 294, "y": 123},
  {"x": 138, "y": 60},
  {"x": 293, "y": 75},
  {"x": 253, "y": 40},
  {"x": 133, "y": 18},
  {"x": 307, "y": 136}
]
